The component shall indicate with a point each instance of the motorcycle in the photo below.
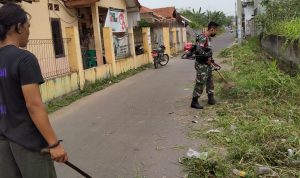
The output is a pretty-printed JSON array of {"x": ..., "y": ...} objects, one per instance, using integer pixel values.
[
  {"x": 188, "y": 54},
  {"x": 139, "y": 49},
  {"x": 159, "y": 56}
]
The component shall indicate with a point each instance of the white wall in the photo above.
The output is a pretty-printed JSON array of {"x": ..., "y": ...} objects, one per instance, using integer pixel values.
[
  {"x": 249, "y": 11},
  {"x": 260, "y": 9},
  {"x": 133, "y": 18}
]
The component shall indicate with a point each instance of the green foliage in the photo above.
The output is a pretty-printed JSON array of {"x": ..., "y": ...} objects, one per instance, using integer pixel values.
[
  {"x": 282, "y": 18},
  {"x": 144, "y": 23},
  {"x": 195, "y": 25},
  {"x": 218, "y": 17},
  {"x": 201, "y": 19},
  {"x": 289, "y": 29},
  {"x": 259, "y": 118},
  {"x": 265, "y": 107},
  {"x": 225, "y": 52},
  {"x": 196, "y": 167}
]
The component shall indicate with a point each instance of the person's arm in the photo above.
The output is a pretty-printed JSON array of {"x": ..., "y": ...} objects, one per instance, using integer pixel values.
[
  {"x": 40, "y": 118},
  {"x": 30, "y": 78}
]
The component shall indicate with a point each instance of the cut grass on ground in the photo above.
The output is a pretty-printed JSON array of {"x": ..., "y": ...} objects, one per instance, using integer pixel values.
[
  {"x": 92, "y": 88},
  {"x": 259, "y": 119}
]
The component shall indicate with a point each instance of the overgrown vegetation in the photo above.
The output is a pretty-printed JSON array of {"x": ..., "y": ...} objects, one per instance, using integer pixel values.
[
  {"x": 92, "y": 88},
  {"x": 204, "y": 168},
  {"x": 260, "y": 118},
  {"x": 282, "y": 18},
  {"x": 144, "y": 23},
  {"x": 289, "y": 29}
]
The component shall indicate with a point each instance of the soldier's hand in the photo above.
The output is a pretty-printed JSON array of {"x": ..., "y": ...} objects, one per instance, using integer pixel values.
[{"x": 209, "y": 61}]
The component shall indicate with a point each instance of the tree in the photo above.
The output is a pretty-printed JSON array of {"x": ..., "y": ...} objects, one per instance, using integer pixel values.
[
  {"x": 144, "y": 23},
  {"x": 201, "y": 19}
]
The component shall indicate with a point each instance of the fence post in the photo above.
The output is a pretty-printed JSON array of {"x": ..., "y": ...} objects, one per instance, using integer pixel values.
[
  {"x": 74, "y": 53},
  {"x": 132, "y": 46},
  {"x": 97, "y": 34},
  {"x": 184, "y": 35},
  {"x": 109, "y": 49},
  {"x": 166, "y": 40},
  {"x": 147, "y": 43},
  {"x": 174, "y": 31},
  {"x": 180, "y": 36}
]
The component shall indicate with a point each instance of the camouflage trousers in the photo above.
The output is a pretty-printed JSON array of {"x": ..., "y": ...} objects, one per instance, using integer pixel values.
[{"x": 204, "y": 78}]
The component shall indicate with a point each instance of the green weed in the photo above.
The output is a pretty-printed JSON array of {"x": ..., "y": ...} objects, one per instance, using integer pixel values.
[{"x": 260, "y": 119}]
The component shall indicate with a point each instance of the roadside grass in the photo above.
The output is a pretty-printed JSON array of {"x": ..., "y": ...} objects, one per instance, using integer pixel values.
[
  {"x": 92, "y": 88},
  {"x": 259, "y": 118}
]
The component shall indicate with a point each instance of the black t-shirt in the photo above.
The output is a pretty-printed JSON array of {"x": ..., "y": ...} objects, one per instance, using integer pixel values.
[{"x": 17, "y": 68}]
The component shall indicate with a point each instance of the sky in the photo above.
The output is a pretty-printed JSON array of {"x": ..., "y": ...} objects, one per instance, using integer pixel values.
[{"x": 227, "y": 6}]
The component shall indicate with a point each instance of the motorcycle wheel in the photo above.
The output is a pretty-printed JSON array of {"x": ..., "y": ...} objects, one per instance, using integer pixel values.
[
  {"x": 155, "y": 63},
  {"x": 164, "y": 60}
]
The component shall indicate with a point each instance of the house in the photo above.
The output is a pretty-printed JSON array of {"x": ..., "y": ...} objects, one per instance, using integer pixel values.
[
  {"x": 176, "y": 25},
  {"x": 169, "y": 13},
  {"x": 48, "y": 35},
  {"x": 167, "y": 27},
  {"x": 166, "y": 16},
  {"x": 81, "y": 41},
  {"x": 248, "y": 18},
  {"x": 149, "y": 15},
  {"x": 94, "y": 15},
  {"x": 133, "y": 12}
]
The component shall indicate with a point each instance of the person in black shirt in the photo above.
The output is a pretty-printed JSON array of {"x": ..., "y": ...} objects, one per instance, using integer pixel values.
[{"x": 24, "y": 124}]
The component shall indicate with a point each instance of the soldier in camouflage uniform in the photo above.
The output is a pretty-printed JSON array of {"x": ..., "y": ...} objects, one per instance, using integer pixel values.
[{"x": 203, "y": 67}]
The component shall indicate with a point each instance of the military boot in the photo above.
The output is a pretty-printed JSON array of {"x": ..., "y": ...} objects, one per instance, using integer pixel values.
[
  {"x": 195, "y": 104},
  {"x": 211, "y": 99}
]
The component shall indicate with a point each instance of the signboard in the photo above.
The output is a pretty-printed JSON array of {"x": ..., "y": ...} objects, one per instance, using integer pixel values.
[
  {"x": 121, "y": 46},
  {"x": 116, "y": 19}
]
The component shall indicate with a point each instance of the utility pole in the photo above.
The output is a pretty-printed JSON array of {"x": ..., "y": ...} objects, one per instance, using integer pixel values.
[
  {"x": 239, "y": 20},
  {"x": 236, "y": 22}
]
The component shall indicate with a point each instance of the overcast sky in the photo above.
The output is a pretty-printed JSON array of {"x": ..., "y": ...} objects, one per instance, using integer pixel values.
[{"x": 227, "y": 6}]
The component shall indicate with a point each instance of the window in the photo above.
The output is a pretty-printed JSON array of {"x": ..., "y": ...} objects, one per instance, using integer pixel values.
[{"x": 57, "y": 38}]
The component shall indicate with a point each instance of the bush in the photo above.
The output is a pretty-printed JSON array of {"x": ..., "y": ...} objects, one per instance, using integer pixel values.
[{"x": 144, "y": 23}]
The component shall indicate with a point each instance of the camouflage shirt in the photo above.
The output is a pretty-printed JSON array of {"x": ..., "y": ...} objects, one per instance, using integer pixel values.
[
  {"x": 203, "y": 52},
  {"x": 203, "y": 41}
]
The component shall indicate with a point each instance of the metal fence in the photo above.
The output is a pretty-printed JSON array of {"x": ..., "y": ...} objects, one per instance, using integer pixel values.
[
  {"x": 52, "y": 56},
  {"x": 138, "y": 36}
]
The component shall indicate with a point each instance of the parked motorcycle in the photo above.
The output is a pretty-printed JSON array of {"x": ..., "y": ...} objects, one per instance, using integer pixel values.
[
  {"x": 159, "y": 56},
  {"x": 188, "y": 54},
  {"x": 139, "y": 49}
]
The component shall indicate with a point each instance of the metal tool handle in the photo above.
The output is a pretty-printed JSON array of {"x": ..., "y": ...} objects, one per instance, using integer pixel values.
[{"x": 77, "y": 169}]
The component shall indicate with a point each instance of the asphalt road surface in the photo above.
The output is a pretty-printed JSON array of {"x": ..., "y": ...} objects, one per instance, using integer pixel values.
[{"x": 128, "y": 130}]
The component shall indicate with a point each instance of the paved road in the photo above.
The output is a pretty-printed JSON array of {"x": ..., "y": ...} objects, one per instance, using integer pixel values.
[{"x": 128, "y": 130}]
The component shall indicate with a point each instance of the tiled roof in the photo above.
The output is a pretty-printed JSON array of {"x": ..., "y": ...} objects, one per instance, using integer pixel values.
[
  {"x": 167, "y": 12},
  {"x": 145, "y": 10},
  {"x": 148, "y": 10}
]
